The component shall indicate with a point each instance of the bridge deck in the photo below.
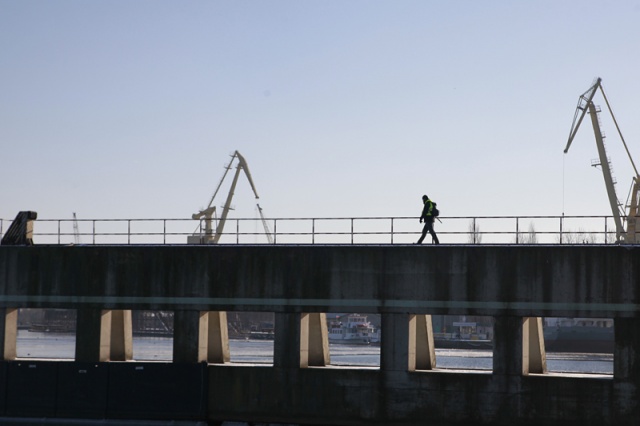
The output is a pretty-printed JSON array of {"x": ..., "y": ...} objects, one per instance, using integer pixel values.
[{"x": 402, "y": 283}]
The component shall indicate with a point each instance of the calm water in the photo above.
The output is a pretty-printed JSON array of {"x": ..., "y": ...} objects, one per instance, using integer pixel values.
[{"x": 62, "y": 346}]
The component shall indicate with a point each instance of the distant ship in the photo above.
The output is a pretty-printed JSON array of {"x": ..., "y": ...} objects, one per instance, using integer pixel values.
[
  {"x": 467, "y": 335},
  {"x": 460, "y": 343},
  {"x": 580, "y": 335},
  {"x": 353, "y": 329},
  {"x": 584, "y": 335}
]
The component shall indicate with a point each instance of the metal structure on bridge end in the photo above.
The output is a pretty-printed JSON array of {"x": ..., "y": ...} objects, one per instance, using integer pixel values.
[
  {"x": 20, "y": 233},
  {"x": 585, "y": 103}
]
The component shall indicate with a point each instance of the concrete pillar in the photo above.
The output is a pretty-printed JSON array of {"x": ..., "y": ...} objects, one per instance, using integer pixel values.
[
  {"x": 394, "y": 345},
  {"x": 422, "y": 352},
  {"x": 507, "y": 346},
  {"x": 189, "y": 336},
  {"x": 534, "y": 356},
  {"x": 121, "y": 336},
  {"x": 314, "y": 340},
  {"x": 626, "y": 353},
  {"x": 286, "y": 347},
  {"x": 626, "y": 370},
  {"x": 217, "y": 334},
  {"x": 9, "y": 330},
  {"x": 518, "y": 346},
  {"x": 93, "y": 335}
]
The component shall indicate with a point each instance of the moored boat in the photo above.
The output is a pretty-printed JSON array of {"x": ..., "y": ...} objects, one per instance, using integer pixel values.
[{"x": 352, "y": 329}]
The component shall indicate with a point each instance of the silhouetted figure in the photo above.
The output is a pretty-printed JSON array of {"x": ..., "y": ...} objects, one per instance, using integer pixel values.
[{"x": 429, "y": 218}]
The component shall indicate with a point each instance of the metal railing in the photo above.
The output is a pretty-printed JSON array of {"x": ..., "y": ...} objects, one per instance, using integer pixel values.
[{"x": 342, "y": 230}]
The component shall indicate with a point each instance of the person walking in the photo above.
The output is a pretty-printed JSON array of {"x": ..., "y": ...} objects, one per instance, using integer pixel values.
[{"x": 427, "y": 216}]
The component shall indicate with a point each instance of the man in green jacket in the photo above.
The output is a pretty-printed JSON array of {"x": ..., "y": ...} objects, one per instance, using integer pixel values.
[{"x": 427, "y": 216}]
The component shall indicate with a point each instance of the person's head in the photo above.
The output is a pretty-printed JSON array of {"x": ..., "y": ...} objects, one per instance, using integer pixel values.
[{"x": 425, "y": 198}]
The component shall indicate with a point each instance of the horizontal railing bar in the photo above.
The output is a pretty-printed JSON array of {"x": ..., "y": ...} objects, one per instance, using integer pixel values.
[{"x": 324, "y": 218}]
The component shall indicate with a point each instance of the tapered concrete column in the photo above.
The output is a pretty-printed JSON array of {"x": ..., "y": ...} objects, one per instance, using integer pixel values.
[
  {"x": 314, "y": 340},
  {"x": 534, "y": 356},
  {"x": 422, "y": 352},
  {"x": 286, "y": 348},
  {"x": 507, "y": 346},
  {"x": 217, "y": 337},
  {"x": 121, "y": 336},
  {"x": 190, "y": 336},
  {"x": 9, "y": 330},
  {"x": 394, "y": 344},
  {"x": 93, "y": 335}
]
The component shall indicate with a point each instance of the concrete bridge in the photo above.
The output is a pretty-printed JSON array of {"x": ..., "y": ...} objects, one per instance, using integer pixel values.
[{"x": 516, "y": 285}]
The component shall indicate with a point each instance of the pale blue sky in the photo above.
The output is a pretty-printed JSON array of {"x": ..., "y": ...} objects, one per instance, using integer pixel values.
[{"x": 129, "y": 109}]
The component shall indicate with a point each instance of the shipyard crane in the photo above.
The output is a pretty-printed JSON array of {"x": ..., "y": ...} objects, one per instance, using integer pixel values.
[
  {"x": 208, "y": 215},
  {"x": 585, "y": 104}
]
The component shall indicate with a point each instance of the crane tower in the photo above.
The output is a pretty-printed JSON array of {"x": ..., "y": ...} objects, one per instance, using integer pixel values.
[{"x": 625, "y": 222}]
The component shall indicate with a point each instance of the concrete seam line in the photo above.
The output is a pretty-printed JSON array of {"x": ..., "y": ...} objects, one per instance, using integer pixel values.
[{"x": 364, "y": 303}]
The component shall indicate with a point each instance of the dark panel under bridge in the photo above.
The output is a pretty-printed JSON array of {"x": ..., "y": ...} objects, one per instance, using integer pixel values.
[{"x": 516, "y": 285}]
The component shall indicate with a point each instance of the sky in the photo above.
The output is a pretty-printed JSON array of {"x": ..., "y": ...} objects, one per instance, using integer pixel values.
[{"x": 131, "y": 109}]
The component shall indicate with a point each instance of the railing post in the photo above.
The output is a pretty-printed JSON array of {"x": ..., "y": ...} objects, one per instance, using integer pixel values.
[
  {"x": 561, "y": 221},
  {"x": 351, "y": 231},
  {"x": 517, "y": 230},
  {"x": 164, "y": 231},
  {"x": 606, "y": 234},
  {"x": 93, "y": 232},
  {"x": 237, "y": 231},
  {"x": 391, "y": 230},
  {"x": 275, "y": 230},
  {"x": 313, "y": 231},
  {"x": 129, "y": 231},
  {"x": 475, "y": 231},
  {"x": 58, "y": 231}
]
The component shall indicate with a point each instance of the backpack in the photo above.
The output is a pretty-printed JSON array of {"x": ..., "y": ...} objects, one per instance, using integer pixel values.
[{"x": 435, "y": 212}]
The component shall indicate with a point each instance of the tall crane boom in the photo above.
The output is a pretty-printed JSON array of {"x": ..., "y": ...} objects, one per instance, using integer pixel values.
[
  {"x": 242, "y": 165},
  {"x": 585, "y": 104},
  {"x": 208, "y": 214}
]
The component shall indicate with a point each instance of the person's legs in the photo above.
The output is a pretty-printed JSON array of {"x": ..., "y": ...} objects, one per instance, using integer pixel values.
[
  {"x": 432, "y": 232},
  {"x": 424, "y": 232}
]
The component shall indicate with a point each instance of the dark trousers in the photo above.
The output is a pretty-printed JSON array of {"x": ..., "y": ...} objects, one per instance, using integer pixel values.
[{"x": 428, "y": 227}]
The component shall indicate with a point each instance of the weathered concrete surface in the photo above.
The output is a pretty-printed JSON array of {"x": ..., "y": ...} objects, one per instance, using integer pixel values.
[
  {"x": 506, "y": 282},
  {"x": 474, "y": 280},
  {"x": 367, "y": 397}
]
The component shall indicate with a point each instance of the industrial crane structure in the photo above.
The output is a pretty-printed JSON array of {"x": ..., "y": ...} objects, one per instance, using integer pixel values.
[
  {"x": 625, "y": 221},
  {"x": 208, "y": 215}
]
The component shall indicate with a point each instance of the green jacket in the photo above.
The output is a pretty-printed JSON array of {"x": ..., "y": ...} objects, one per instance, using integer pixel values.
[{"x": 427, "y": 210}]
